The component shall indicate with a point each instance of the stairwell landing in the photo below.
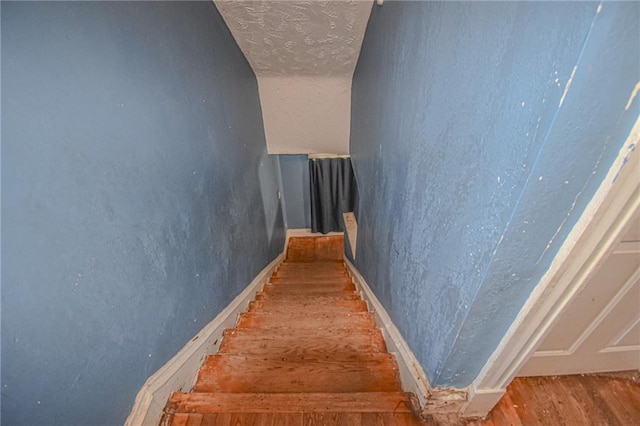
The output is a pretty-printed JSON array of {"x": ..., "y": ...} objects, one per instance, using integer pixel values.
[{"x": 307, "y": 352}]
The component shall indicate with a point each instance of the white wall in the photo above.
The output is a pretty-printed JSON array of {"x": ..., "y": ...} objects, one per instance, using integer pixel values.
[{"x": 306, "y": 114}]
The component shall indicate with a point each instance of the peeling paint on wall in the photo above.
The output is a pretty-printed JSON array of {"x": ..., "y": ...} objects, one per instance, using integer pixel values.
[
  {"x": 451, "y": 250},
  {"x": 633, "y": 96}
]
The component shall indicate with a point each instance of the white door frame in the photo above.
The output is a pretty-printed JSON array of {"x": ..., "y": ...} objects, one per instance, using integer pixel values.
[{"x": 591, "y": 240}]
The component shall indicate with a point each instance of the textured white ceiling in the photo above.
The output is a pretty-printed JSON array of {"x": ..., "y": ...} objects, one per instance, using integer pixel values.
[
  {"x": 321, "y": 38},
  {"x": 304, "y": 54}
]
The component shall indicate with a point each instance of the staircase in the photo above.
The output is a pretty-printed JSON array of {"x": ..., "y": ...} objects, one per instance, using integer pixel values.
[{"x": 307, "y": 352}]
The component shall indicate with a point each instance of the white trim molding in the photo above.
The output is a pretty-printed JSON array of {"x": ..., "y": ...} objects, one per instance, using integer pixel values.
[
  {"x": 592, "y": 239},
  {"x": 180, "y": 373},
  {"x": 412, "y": 376},
  {"x": 351, "y": 231}
]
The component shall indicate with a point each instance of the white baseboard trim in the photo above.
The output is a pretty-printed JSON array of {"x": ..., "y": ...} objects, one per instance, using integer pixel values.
[
  {"x": 180, "y": 373},
  {"x": 351, "y": 231},
  {"x": 481, "y": 401},
  {"x": 411, "y": 373}
]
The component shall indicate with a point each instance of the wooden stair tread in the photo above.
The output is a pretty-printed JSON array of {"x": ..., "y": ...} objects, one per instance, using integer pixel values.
[
  {"x": 343, "y": 284},
  {"x": 292, "y": 333},
  {"x": 301, "y": 320},
  {"x": 294, "y": 286},
  {"x": 254, "y": 374},
  {"x": 313, "y": 274},
  {"x": 292, "y": 260},
  {"x": 251, "y": 343},
  {"x": 311, "y": 279},
  {"x": 316, "y": 297},
  {"x": 312, "y": 266},
  {"x": 365, "y": 402},
  {"x": 313, "y": 305},
  {"x": 307, "y": 290},
  {"x": 291, "y": 419}
]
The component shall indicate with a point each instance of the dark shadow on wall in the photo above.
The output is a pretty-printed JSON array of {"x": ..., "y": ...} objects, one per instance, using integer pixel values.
[{"x": 295, "y": 185}]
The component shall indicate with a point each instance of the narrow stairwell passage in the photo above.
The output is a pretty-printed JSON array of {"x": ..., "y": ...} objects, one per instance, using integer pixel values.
[{"x": 307, "y": 352}]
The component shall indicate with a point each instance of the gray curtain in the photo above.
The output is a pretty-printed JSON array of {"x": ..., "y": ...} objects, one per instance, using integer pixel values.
[{"x": 333, "y": 191}]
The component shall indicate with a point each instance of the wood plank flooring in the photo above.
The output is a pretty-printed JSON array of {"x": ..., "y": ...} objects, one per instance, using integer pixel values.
[
  {"x": 306, "y": 352},
  {"x": 591, "y": 399}
]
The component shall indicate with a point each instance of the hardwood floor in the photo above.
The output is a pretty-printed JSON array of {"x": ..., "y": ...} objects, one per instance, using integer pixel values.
[
  {"x": 306, "y": 352},
  {"x": 590, "y": 399}
]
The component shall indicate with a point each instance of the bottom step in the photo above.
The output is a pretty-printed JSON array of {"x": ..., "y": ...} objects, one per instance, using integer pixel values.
[
  {"x": 291, "y": 419},
  {"x": 364, "y": 402}
]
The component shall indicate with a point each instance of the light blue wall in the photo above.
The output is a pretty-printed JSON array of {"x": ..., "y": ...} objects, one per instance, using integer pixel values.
[
  {"x": 470, "y": 172},
  {"x": 295, "y": 185},
  {"x": 137, "y": 198}
]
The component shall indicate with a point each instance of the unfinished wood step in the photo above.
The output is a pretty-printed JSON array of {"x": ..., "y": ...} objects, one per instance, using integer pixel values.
[
  {"x": 304, "y": 258},
  {"x": 310, "y": 277},
  {"x": 320, "y": 297},
  {"x": 286, "y": 341},
  {"x": 344, "y": 283},
  {"x": 303, "y": 268},
  {"x": 309, "y": 286},
  {"x": 308, "y": 305},
  {"x": 303, "y": 320},
  {"x": 311, "y": 281},
  {"x": 254, "y": 374},
  {"x": 310, "y": 274},
  {"x": 298, "y": 333},
  {"x": 317, "y": 248},
  {"x": 300, "y": 266},
  {"x": 313, "y": 353},
  {"x": 291, "y": 419},
  {"x": 367, "y": 402},
  {"x": 310, "y": 265}
]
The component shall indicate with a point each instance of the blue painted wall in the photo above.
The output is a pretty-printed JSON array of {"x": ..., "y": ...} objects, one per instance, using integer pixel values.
[
  {"x": 295, "y": 185},
  {"x": 471, "y": 174},
  {"x": 137, "y": 197}
]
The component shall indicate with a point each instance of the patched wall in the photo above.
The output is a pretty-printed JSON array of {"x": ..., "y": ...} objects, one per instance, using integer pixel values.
[{"x": 479, "y": 133}]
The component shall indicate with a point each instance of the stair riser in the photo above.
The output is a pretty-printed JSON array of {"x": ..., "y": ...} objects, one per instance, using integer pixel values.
[
  {"x": 315, "y": 266},
  {"x": 307, "y": 347},
  {"x": 228, "y": 373},
  {"x": 275, "y": 334},
  {"x": 297, "y": 287},
  {"x": 379, "y": 402},
  {"x": 362, "y": 321},
  {"x": 325, "y": 297},
  {"x": 311, "y": 286},
  {"x": 275, "y": 306},
  {"x": 311, "y": 273}
]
